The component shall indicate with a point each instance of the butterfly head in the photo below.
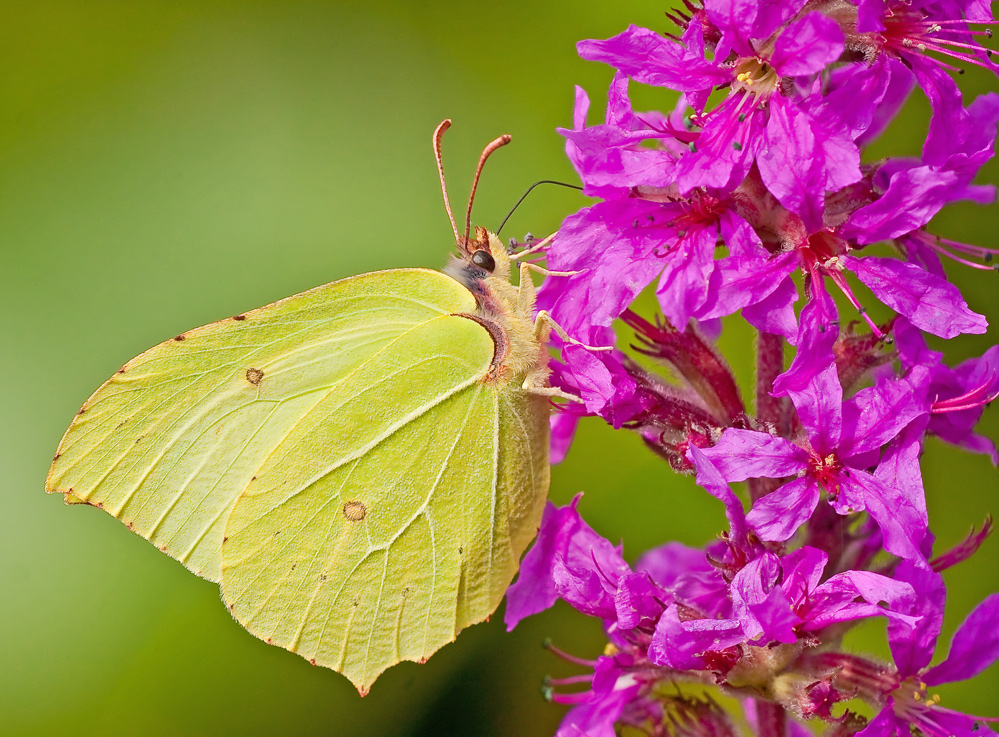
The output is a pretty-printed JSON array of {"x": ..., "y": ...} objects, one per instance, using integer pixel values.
[
  {"x": 483, "y": 255},
  {"x": 480, "y": 257}
]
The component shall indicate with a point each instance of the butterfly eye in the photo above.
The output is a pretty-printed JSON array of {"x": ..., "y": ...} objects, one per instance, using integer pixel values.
[{"x": 484, "y": 259}]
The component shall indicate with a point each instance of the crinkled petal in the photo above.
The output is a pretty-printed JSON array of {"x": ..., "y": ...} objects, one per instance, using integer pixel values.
[
  {"x": 611, "y": 156},
  {"x": 764, "y": 609},
  {"x": 949, "y": 119},
  {"x": 818, "y": 330},
  {"x": 912, "y": 642},
  {"x": 601, "y": 381},
  {"x": 738, "y": 282},
  {"x": 903, "y": 525},
  {"x": 747, "y": 454},
  {"x": 638, "y": 600},
  {"x": 585, "y": 589},
  {"x": 567, "y": 559},
  {"x": 800, "y": 158},
  {"x": 900, "y": 85},
  {"x": 677, "y": 644},
  {"x": 870, "y": 16},
  {"x": 929, "y": 302},
  {"x": 913, "y": 197},
  {"x": 774, "y": 313},
  {"x": 802, "y": 569},
  {"x": 790, "y": 162},
  {"x": 735, "y": 19},
  {"x": 808, "y": 45},
  {"x": 713, "y": 482},
  {"x": 819, "y": 405},
  {"x": 854, "y": 96},
  {"x": 668, "y": 563},
  {"x": 912, "y": 348},
  {"x": 779, "y": 514},
  {"x": 534, "y": 589},
  {"x": 899, "y": 466},
  {"x": 651, "y": 59},
  {"x": 974, "y": 648},
  {"x": 772, "y": 16},
  {"x": 836, "y": 600},
  {"x": 596, "y": 717},
  {"x": 878, "y": 413},
  {"x": 683, "y": 286},
  {"x": 615, "y": 258},
  {"x": 723, "y": 153}
]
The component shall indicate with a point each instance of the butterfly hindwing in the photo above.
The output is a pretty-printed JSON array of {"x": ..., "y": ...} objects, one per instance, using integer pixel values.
[{"x": 350, "y": 545}]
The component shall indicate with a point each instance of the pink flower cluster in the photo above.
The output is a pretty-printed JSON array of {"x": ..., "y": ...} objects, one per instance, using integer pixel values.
[{"x": 751, "y": 196}]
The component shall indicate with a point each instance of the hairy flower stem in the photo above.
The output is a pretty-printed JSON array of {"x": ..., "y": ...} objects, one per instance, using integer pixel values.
[
  {"x": 769, "y": 365},
  {"x": 771, "y": 720}
]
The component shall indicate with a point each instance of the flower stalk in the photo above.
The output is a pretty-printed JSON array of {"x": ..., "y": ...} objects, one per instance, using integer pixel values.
[{"x": 751, "y": 199}]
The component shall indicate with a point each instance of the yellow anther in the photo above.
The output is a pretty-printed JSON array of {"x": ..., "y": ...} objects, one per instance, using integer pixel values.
[
  {"x": 916, "y": 696},
  {"x": 611, "y": 649}
]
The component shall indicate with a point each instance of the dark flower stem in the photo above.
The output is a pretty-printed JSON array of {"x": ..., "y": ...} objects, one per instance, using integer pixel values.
[
  {"x": 771, "y": 720},
  {"x": 769, "y": 365}
]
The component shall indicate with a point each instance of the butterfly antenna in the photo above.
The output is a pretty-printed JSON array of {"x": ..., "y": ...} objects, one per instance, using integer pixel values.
[
  {"x": 486, "y": 152},
  {"x": 438, "y": 134},
  {"x": 529, "y": 190}
]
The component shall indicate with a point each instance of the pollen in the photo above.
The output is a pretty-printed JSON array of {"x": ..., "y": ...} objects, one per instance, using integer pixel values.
[{"x": 756, "y": 78}]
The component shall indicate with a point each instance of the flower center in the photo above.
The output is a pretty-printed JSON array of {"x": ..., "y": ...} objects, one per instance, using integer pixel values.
[
  {"x": 826, "y": 471},
  {"x": 911, "y": 703},
  {"x": 755, "y": 77},
  {"x": 913, "y": 31}
]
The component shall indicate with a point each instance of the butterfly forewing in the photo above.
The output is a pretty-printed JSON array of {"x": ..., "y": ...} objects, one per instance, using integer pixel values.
[{"x": 168, "y": 443}]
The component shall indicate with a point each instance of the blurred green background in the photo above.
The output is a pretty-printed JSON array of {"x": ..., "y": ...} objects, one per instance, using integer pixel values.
[{"x": 166, "y": 164}]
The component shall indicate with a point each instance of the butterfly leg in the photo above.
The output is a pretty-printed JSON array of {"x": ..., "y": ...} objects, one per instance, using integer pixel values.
[
  {"x": 533, "y": 249},
  {"x": 537, "y": 383},
  {"x": 544, "y": 325}
]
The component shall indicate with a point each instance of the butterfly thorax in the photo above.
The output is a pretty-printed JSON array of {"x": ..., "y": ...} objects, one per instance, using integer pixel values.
[{"x": 506, "y": 310}]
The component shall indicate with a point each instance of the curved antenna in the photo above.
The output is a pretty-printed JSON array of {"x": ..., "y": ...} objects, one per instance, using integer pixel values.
[
  {"x": 438, "y": 134},
  {"x": 524, "y": 197},
  {"x": 486, "y": 152}
]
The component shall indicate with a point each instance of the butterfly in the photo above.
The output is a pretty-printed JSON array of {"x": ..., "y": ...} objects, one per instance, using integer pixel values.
[{"x": 359, "y": 466}]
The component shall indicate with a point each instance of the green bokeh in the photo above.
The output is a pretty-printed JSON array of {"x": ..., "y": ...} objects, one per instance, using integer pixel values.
[{"x": 165, "y": 164}]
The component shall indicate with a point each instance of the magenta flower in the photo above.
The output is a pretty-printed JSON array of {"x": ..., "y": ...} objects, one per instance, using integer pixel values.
[
  {"x": 570, "y": 561},
  {"x": 841, "y": 441},
  {"x": 908, "y": 32},
  {"x": 958, "y": 395},
  {"x": 907, "y": 703},
  {"x": 609, "y": 157},
  {"x": 745, "y": 196},
  {"x": 620, "y": 246},
  {"x": 910, "y": 192},
  {"x": 765, "y": 118}
]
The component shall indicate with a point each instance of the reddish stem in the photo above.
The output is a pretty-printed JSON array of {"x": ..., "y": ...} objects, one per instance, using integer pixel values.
[
  {"x": 771, "y": 721},
  {"x": 769, "y": 365}
]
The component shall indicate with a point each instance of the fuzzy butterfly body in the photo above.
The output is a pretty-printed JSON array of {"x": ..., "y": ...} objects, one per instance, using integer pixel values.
[{"x": 360, "y": 466}]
